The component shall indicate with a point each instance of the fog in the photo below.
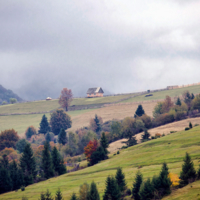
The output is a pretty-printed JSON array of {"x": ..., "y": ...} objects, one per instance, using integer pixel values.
[{"x": 122, "y": 46}]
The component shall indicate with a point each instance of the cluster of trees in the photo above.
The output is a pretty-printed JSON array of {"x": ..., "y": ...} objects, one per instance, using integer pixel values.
[
  {"x": 94, "y": 152},
  {"x": 13, "y": 175}
]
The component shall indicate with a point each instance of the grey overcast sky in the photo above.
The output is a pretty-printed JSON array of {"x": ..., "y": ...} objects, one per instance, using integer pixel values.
[{"x": 122, "y": 46}]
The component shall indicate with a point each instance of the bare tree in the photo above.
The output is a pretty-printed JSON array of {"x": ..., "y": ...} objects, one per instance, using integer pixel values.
[{"x": 65, "y": 98}]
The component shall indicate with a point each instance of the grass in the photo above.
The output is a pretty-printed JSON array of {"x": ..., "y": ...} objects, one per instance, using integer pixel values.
[
  {"x": 162, "y": 94},
  {"x": 149, "y": 155}
]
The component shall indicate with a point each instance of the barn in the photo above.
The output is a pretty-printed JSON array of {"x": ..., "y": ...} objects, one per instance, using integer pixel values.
[{"x": 95, "y": 92}]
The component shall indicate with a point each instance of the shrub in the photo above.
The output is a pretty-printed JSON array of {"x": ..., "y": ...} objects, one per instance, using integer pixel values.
[
  {"x": 118, "y": 152},
  {"x": 152, "y": 137},
  {"x": 174, "y": 179},
  {"x": 22, "y": 188},
  {"x": 196, "y": 125},
  {"x": 180, "y": 115},
  {"x": 147, "y": 121},
  {"x": 128, "y": 192},
  {"x": 163, "y": 119},
  {"x": 173, "y": 131},
  {"x": 190, "y": 125},
  {"x": 158, "y": 135},
  {"x": 124, "y": 147},
  {"x": 187, "y": 128}
]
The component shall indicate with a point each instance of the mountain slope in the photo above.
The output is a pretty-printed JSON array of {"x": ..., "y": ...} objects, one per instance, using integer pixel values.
[{"x": 5, "y": 95}]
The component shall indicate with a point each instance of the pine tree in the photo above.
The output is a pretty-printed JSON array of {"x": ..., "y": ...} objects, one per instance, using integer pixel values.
[
  {"x": 188, "y": 173},
  {"x": 46, "y": 196},
  {"x": 97, "y": 156},
  {"x": 62, "y": 137},
  {"x": 73, "y": 197},
  {"x": 178, "y": 102},
  {"x": 59, "y": 195},
  {"x": 190, "y": 125},
  {"x": 198, "y": 173},
  {"x": 146, "y": 190},
  {"x": 98, "y": 125},
  {"x": 112, "y": 191},
  {"x": 136, "y": 186},
  {"x": 104, "y": 143},
  {"x": 140, "y": 111},
  {"x": 44, "y": 125},
  {"x": 14, "y": 175},
  {"x": 58, "y": 164},
  {"x": 164, "y": 181},
  {"x": 28, "y": 165},
  {"x": 48, "y": 137},
  {"x": 93, "y": 194},
  {"x": 120, "y": 178},
  {"x": 145, "y": 136},
  {"x": 47, "y": 162},
  {"x": 5, "y": 180},
  {"x": 131, "y": 141}
]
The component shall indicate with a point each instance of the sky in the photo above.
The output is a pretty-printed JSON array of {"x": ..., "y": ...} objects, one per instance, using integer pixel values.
[{"x": 122, "y": 46}]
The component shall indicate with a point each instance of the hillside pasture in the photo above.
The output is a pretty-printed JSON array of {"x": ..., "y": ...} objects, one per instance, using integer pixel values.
[
  {"x": 162, "y": 94},
  {"x": 147, "y": 156}
]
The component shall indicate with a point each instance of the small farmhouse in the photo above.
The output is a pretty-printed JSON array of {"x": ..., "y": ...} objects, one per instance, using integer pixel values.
[{"x": 95, "y": 92}]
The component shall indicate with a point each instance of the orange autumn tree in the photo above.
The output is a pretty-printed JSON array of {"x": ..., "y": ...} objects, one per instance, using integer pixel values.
[
  {"x": 65, "y": 98},
  {"x": 90, "y": 148}
]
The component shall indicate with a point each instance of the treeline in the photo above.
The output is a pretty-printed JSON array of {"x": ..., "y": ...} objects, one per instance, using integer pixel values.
[{"x": 14, "y": 176}]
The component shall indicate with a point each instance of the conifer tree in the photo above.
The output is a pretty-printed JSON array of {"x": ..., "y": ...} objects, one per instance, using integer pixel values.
[
  {"x": 5, "y": 180},
  {"x": 146, "y": 190},
  {"x": 164, "y": 181},
  {"x": 112, "y": 191},
  {"x": 131, "y": 141},
  {"x": 47, "y": 162},
  {"x": 136, "y": 186},
  {"x": 73, "y": 197},
  {"x": 28, "y": 165},
  {"x": 146, "y": 135},
  {"x": 104, "y": 143},
  {"x": 140, "y": 111},
  {"x": 188, "y": 173},
  {"x": 48, "y": 137},
  {"x": 58, "y": 164},
  {"x": 59, "y": 195},
  {"x": 98, "y": 125},
  {"x": 190, "y": 125},
  {"x": 14, "y": 175},
  {"x": 62, "y": 137},
  {"x": 178, "y": 102},
  {"x": 198, "y": 173},
  {"x": 93, "y": 194},
  {"x": 44, "y": 125},
  {"x": 120, "y": 178}
]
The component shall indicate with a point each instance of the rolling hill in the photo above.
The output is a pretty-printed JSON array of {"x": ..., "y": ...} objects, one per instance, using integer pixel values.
[{"x": 147, "y": 156}]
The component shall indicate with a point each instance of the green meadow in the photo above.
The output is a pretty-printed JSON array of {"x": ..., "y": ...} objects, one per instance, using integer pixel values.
[{"x": 147, "y": 156}]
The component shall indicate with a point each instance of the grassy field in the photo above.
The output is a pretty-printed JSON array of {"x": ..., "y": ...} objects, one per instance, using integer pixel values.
[
  {"x": 80, "y": 118},
  {"x": 162, "y": 94},
  {"x": 149, "y": 156}
]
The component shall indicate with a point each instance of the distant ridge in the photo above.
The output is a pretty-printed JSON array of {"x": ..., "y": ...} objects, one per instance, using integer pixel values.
[{"x": 5, "y": 95}]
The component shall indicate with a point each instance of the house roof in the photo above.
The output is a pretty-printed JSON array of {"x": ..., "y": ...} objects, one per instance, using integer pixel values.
[{"x": 95, "y": 90}]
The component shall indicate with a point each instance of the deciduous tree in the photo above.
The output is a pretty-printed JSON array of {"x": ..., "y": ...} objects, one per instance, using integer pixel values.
[
  {"x": 60, "y": 119},
  {"x": 30, "y": 131},
  {"x": 65, "y": 98},
  {"x": 90, "y": 148},
  {"x": 84, "y": 192}
]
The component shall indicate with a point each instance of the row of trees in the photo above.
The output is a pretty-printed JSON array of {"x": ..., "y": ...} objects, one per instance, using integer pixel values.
[{"x": 13, "y": 176}]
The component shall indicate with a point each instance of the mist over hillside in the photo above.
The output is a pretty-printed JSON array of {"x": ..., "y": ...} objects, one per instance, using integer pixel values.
[{"x": 5, "y": 95}]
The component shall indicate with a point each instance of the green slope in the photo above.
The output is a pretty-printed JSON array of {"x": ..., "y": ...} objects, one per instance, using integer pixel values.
[{"x": 149, "y": 155}]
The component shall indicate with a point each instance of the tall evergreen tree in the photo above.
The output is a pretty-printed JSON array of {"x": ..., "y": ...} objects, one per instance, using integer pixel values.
[
  {"x": 93, "y": 194},
  {"x": 120, "y": 178},
  {"x": 104, "y": 143},
  {"x": 146, "y": 135},
  {"x": 5, "y": 180},
  {"x": 74, "y": 197},
  {"x": 178, "y": 102},
  {"x": 146, "y": 190},
  {"x": 112, "y": 191},
  {"x": 188, "y": 173},
  {"x": 58, "y": 164},
  {"x": 136, "y": 186},
  {"x": 59, "y": 195},
  {"x": 47, "y": 162},
  {"x": 28, "y": 165},
  {"x": 14, "y": 175},
  {"x": 140, "y": 111},
  {"x": 44, "y": 125},
  {"x": 98, "y": 125},
  {"x": 48, "y": 137},
  {"x": 164, "y": 181},
  {"x": 62, "y": 137}
]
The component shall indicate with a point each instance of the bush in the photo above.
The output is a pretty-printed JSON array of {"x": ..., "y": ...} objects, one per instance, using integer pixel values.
[
  {"x": 128, "y": 192},
  {"x": 190, "y": 125},
  {"x": 187, "y": 128},
  {"x": 124, "y": 147},
  {"x": 118, "y": 152},
  {"x": 22, "y": 188},
  {"x": 163, "y": 119},
  {"x": 196, "y": 125},
  {"x": 180, "y": 115},
  {"x": 173, "y": 131}
]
